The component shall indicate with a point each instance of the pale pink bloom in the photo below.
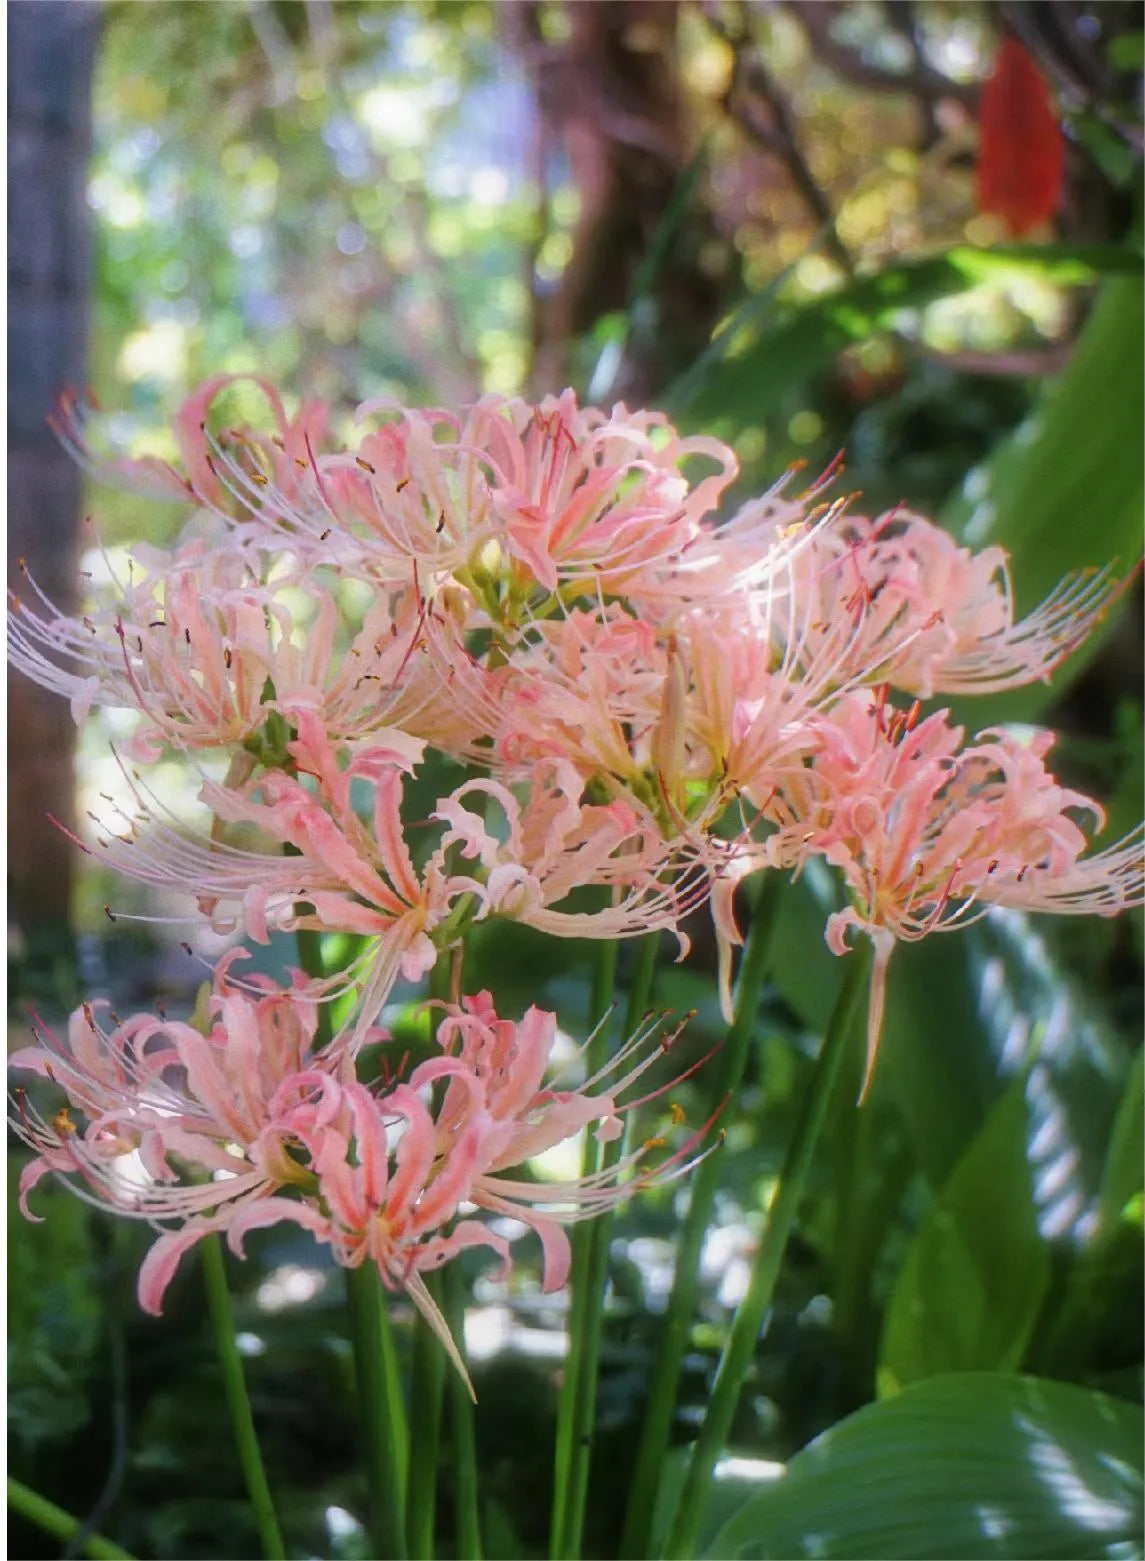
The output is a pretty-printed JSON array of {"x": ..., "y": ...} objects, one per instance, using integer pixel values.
[
  {"x": 342, "y": 873},
  {"x": 223, "y": 472},
  {"x": 896, "y": 599},
  {"x": 506, "y": 498},
  {"x": 511, "y": 1061},
  {"x": 555, "y": 843},
  {"x": 152, "y": 1088},
  {"x": 213, "y": 1129},
  {"x": 383, "y": 1204},
  {"x": 207, "y": 650},
  {"x": 928, "y": 833},
  {"x": 346, "y": 872},
  {"x": 587, "y": 689},
  {"x": 511, "y": 497},
  {"x": 245, "y": 1123},
  {"x": 754, "y": 552}
]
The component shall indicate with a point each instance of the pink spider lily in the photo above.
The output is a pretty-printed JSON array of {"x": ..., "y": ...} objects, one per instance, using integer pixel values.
[
  {"x": 207, "y": 652},
  {"x": 925, "y": 614},
  {"x": 206, "y": 459},
  {"x": 159, "y": 1090},
  {"x": 508, "y": 498},
  {"x": 587, "y": 690},
  {"x": 231, "y": 1107},
  {"x": 512, "y": 497},
  {"x": 928, "y": 833},
  {"x": 511, "y": 1061},
  {"x": 383, "y": 1204},
  {"x": 244, "y": 1123},
  {"x": 346, "y": 872},
  {"x": 556, "y": 843}
]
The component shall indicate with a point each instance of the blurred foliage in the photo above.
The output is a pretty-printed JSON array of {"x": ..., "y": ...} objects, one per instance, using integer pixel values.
[{"x": 368, "y": 199}]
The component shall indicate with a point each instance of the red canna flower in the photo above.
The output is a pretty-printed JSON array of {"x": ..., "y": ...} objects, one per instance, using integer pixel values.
[{"x": 1021, "y": 153}]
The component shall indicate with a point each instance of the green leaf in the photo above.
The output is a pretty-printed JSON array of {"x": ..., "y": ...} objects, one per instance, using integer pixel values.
[
  {"x": 1066, "y": 490},
  {"x": 1127, "y": 52},
  {"x": 770, "y": 346},
  {"x": 1123, "y": 1177},
  {"x": 969, "y": 1293},
  {"x": 1117, "y": 160},
  {"x": 975, "y": 1464}
]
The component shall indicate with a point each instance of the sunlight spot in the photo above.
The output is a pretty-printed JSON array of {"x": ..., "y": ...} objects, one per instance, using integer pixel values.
[
  {"x": 250, "y": 1344},
  {"x": 487, "y": 1331},
  {"x": 655, "y": 1259},
  {"x": 494, "y": 1330},
  {"x": 993, "y": 1523},
  {"x": 341, "y": 1524},
  {"x": 130, "y": 1170},
  {"x": 289, "y": 1285},
  {"x": 1070, "y": 1494},
  {"x": 489, "y": 186},
  {"x": 729, "y": 1468},
  {"x": 981, "y": 522},
  {"x": 157, "y": 352}
]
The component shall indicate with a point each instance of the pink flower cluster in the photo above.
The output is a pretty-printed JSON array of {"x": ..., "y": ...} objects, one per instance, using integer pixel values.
[
  {"x": 244, "y": 1120},
  {"x": 651, "y": 703}
]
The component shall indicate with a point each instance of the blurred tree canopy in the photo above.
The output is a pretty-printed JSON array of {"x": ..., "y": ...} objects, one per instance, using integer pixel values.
[{"x": 425, "y": 201}]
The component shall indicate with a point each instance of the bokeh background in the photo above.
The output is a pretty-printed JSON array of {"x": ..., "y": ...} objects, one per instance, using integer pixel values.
[{"x": 763, "y": 217}]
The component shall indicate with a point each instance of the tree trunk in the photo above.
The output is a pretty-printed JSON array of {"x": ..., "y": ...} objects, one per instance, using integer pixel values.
[
  {"x": 51, "y": 48},
  {"x": 611, "y": 95}
]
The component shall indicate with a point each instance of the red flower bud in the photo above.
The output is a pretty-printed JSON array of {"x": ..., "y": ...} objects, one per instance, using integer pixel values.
[{"x": 1021, "y": 153}]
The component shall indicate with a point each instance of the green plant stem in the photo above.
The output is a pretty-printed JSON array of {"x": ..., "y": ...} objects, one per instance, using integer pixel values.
[
  {"x": 600, "y": 1001},
  {"x": 381, "y": 1410},
  {"x": 54, "y": 1520},
  {"x": 589, "y": 1277},
  {"x": 466, "y": 1499},
  {"x": 310, "y": 958},
  {"x": 674, "y": 1338},
  {"x": 234, "y": 1383},
  {"x": 750, "y": 1313},
  {"x": 427, "y": 1378}
]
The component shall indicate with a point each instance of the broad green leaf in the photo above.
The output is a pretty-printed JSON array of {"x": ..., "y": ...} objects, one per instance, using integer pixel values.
[
  {"x": 1066, "y": 490},
  {"x": 769, "y": 346},
  {"x": 961, "y": 1008},
  {"x": 976, "y": 1464},
  {"x": 1123, "y": 1166},
  {"x": 970, "y": 1290},
  {"x": 1127, "y": 52},
  {"x": 1117, "y": 159}
]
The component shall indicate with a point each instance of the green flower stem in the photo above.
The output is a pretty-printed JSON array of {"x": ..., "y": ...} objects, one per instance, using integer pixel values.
[
  {"x": 665, "y": 1381},
  {"x": 234, "y": 1383},
  {"x": 54, "y": 1520},
  {"x": 461, "y": 1426},
  {"x": 748, "y": 1321},
  {"x": 589, "y": 1277},
  {"x": 426, "y": 1382},
  {"x": 381, "y": 1410},
  {"x": 600, "y": 1001},
  {"x": 310, "y": 958},
  {"x": 427, "y": 1377}
]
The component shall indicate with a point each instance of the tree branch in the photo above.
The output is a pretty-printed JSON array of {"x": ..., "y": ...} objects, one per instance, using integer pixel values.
[{"x": 923, "y": 80}]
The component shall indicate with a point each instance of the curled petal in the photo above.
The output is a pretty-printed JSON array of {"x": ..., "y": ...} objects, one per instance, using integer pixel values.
[
  {"x": 158, "y": 1267},
  {"x": 268, "y": 1211}
]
